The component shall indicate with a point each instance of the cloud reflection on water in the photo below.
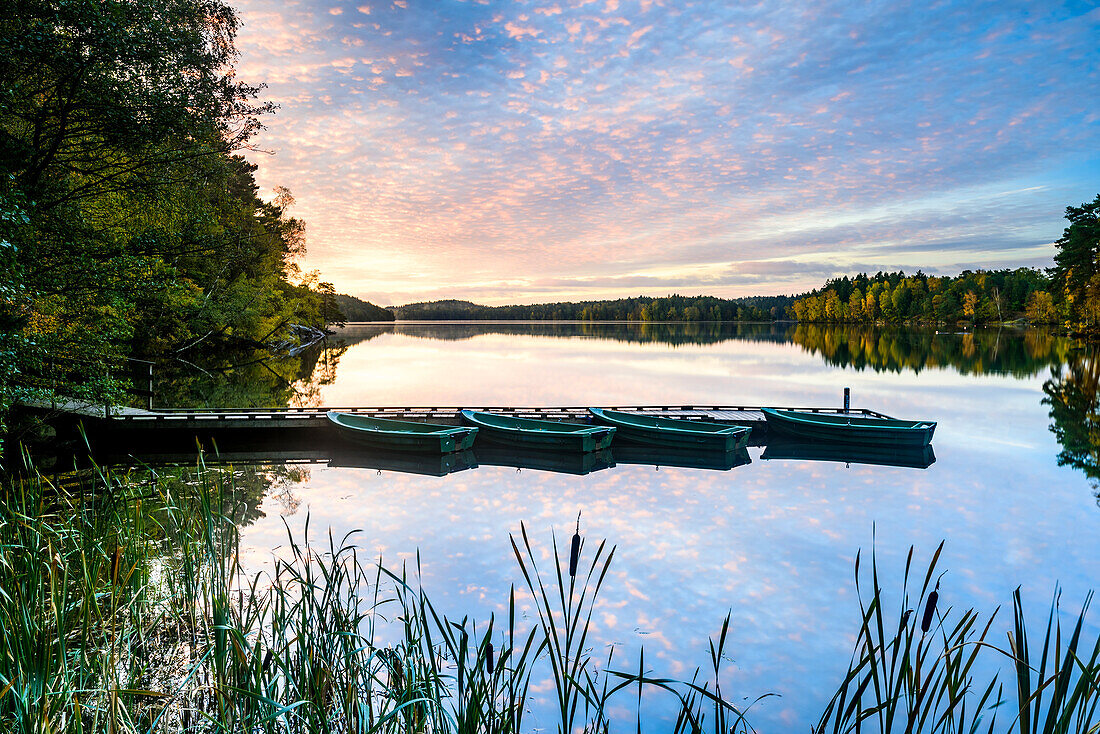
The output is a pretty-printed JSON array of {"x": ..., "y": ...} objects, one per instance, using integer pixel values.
[{"x": 773, "y": 541}]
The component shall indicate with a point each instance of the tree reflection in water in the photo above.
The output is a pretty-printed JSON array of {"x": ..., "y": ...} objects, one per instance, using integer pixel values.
[
  {"x": 1017, "y": 352},
  {"x": 1073, "y": 394},
  {"x": 242, "y": 380},
  {"x": 1020, "y": 353}
]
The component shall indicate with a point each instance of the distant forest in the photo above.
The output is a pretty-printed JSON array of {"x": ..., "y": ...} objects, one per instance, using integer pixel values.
[
  {"x": 355, "y": 309},
  {"x": 973, "y": 296},
  {"x": 642, "y": 308}
]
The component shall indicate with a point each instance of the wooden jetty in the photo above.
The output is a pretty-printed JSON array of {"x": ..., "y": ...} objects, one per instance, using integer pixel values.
[
  {"x": 259, "y": 419},
  {"x": 136, "y": 436}
]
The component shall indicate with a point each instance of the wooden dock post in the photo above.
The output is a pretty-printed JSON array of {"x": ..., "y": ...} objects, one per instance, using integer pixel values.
[
  {"x": 847, "y": 399},
  {"x": 149, "y": 377}
]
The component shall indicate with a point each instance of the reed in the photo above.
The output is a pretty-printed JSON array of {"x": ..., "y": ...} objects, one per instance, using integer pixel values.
[
  {"x": 124, "y": 608},
  {"x": 907, "y": 677}
]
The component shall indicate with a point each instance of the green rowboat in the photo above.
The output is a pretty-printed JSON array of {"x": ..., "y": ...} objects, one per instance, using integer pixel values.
[
  {"x": 849, "y": 428},
  {"x": 653, "y": 430},
  {"x": 403, "y": 435},
  {"x": 539, "y": 434}
]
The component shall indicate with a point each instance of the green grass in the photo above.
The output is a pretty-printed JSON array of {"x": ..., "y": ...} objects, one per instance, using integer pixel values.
[{"x": 124, "y": 608}]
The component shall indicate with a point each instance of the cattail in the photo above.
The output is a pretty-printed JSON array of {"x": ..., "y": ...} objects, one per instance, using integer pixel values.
[
  {"x": 930, "y": 609},
  {"x": 115, "y": 560},
  {"x": 904, "y": 620},
  {"x": 489, "y": 657},
  {"x": 267, "y": 660},
  {"x": 575, "y": 549}
]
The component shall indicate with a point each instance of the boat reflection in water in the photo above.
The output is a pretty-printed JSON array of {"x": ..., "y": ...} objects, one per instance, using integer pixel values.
[
  {"x": 562, "y": 462},
  {"x": 320, "y": 449},
  {"x": 681, "y": 457},
  {"x": 335, "y": 455},
  {"x": 430, "y": 464},
  {"x": 912, "y": 457}
]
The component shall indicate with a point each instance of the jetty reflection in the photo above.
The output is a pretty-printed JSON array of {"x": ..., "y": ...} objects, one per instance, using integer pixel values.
[{"x": 340, "y": 454}]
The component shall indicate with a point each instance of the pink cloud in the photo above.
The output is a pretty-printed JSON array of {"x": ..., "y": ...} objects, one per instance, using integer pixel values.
[{"x": 516, "y": 31}]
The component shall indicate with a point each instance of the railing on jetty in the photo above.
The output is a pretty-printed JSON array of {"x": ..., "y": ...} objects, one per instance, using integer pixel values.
[{"x": 136, "y": 374}]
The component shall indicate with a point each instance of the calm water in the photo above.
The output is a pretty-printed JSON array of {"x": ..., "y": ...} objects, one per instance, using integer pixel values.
[{"x": 773, "y": 540}]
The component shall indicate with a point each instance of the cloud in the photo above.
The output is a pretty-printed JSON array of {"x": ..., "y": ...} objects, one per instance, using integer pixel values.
[{"x": 464, "y": 144}]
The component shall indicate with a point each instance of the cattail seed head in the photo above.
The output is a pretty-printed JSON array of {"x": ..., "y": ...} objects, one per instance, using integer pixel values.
[
  {"x": 574, "y": 554},
  {"x": 489, "y": 657},
  {"x": 929, "y": 611},
  {"x": 575, "y": 549}
]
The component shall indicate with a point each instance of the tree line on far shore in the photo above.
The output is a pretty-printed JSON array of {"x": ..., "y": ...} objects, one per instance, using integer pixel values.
[
  {"x": 1067, "y": 294},
  {"x": 641, "y": 308},
  {"x": 350, "y": 308}
]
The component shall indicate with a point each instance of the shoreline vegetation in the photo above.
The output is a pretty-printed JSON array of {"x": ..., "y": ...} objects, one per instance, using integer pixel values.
[{"x": 126, "y": 609}]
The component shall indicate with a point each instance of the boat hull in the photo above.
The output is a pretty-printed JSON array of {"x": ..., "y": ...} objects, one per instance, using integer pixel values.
[
  {"x": 855, "y": 430},
  {"x": 403, "y": 435},
  {"x": 673, "y": 433},
  {"x": 546, "y": 435}
]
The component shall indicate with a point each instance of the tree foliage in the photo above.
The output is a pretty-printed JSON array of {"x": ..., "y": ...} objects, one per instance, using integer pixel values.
[
  {"x": 1070, "y": 295},
  {"x": 129, "y": 224},
  {"x": 981, "y": 296},
  {"x": 355, "y": 309},
  {"x": 1076, "y": 271}
]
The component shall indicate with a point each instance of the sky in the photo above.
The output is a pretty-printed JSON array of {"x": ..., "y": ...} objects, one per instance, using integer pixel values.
[{"x": 554, "y": 150}]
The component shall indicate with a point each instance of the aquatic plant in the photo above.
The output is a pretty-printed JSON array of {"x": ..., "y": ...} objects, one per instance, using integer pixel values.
[
  {"x": 923, "y": 678},
  {"x": 124, "y": 607}
]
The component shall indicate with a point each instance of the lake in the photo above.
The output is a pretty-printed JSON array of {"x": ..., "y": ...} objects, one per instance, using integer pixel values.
[{"x": 772, "y": 541}]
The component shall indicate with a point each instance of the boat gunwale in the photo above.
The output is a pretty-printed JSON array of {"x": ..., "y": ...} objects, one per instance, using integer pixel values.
[
  {"x": 833, "y": 421},
  {"x": 696, "y": 428},
  {"x": 574, "y": 429},
  {"x": 439, "y": 430}
]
